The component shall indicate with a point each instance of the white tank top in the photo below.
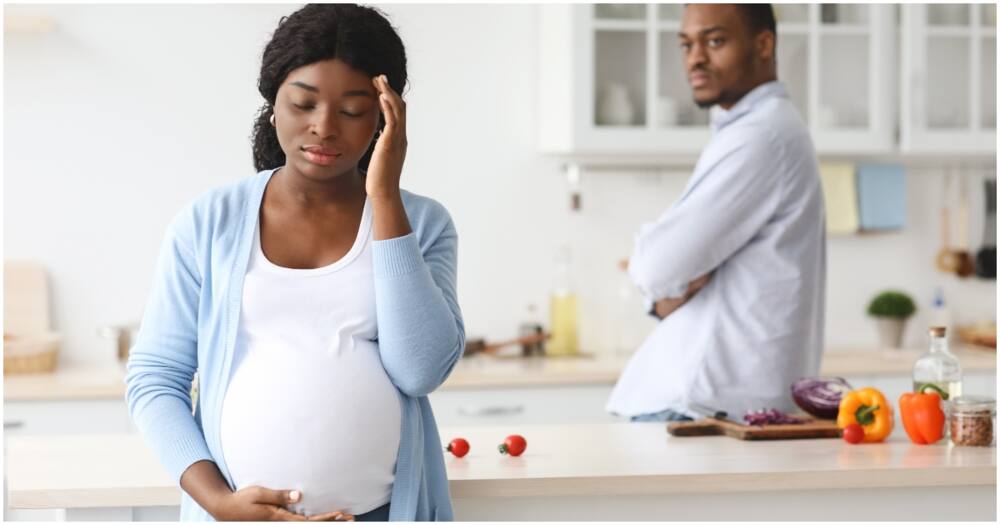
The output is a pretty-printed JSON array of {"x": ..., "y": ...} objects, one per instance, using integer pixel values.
[{"x": 309, "y": 406}]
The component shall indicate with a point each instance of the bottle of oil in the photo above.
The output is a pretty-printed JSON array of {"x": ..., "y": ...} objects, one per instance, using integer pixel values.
[
  {"x": 939, "y": 366},
  {"x": 563, "y": 309}
]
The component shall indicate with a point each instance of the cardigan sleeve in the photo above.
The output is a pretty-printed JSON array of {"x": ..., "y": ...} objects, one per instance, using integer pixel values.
[
  {"x": 163, "y": 360},
  {"x": 421, "y": 334}
]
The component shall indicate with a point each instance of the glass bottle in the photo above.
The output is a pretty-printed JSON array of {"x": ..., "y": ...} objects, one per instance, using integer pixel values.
[
  {"x": 939, "y": 366},
  {"x": 563, "y": 309},
  {"x": 532, "y": 327},
  {"x": 628, "y": 307}
]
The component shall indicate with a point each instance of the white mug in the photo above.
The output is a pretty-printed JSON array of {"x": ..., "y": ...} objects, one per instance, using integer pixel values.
[
  {"x": 666, "y": 112},
  {"x": 614, "y": 107}
]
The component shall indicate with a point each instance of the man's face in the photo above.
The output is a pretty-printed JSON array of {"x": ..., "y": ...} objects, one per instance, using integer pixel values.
[{"x": 720, "y": 55}]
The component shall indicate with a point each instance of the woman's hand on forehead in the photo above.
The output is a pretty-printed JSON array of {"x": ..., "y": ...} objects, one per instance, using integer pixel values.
[{"x": 390, "y": 151}]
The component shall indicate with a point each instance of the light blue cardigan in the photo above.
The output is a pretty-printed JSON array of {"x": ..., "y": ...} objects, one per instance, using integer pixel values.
[{"x": 191, "y": 319}]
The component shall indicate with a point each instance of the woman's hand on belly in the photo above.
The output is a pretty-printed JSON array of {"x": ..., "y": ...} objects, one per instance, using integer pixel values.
[
  {"x": 262, "y": 504},
  {"x": 332, "y": 516},
  {"x": 204, "y": 483}
]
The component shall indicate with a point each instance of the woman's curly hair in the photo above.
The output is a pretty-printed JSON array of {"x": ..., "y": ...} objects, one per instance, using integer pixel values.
[{"x": 360, "y": 36}]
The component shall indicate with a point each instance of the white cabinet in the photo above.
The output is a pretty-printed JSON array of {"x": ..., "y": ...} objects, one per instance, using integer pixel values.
[
  {"x": 835, "y": 59},
  {"x": 845, "y": 92},
  {"x": 98, "y": 416},
  {"x": 587, "y": 52},
  {"x": 522, "y": 405},
  {"x": 949, "y": 78},
  {"x": 569, "y": 404}
]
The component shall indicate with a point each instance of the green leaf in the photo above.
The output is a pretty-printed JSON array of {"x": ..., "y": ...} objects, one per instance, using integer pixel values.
[{"x": 892, "y": 303}]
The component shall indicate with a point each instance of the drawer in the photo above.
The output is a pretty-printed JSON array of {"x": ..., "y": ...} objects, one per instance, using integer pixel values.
[
  {"x": 108, "y": 416},
  {"x": 535, "y": 405}
]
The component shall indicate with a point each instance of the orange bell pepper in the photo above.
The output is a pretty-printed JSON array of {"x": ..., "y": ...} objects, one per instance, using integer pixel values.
[
  {"x": 868, "y": 408},
  {"x": 922, "y": 416}
]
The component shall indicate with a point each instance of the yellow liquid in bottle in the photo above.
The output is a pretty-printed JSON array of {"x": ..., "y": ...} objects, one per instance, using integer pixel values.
[
  {"x": 562, "y": 314},
  {"x": 953, "y": 388}
]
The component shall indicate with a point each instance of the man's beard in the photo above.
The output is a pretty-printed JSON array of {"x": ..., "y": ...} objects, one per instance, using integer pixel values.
[
  {"x": 705, "y": 104},
  {"x": 722, "y": 98}
]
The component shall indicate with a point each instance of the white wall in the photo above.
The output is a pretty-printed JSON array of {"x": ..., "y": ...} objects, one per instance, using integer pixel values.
[{"x": 124, "y": 113}]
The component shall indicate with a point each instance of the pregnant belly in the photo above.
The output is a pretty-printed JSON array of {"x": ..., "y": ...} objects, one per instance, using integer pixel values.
[{"x": 327, "y": 425}]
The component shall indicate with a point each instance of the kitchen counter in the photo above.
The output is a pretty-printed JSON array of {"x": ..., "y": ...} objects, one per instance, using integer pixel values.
[
  {"x": 107, "y": 382},
  {"x": 594, "y": 471},
  {"x": 488, "y": 371},
  {"x": 74, "y": 382}
]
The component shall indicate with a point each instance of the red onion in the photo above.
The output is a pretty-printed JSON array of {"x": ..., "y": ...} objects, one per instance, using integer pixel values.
[
  {"x": 820, "y": 396},
  {"x": 770, "y": 417}
]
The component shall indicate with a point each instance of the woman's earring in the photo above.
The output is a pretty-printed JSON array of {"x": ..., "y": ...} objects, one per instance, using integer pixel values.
[{"x": 272, "y": 119}]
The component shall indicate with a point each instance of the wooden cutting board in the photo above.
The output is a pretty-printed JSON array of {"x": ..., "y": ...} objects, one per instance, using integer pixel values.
[
  {"x": 25, "y": 298},
  {"x": 816, "y": 428}
]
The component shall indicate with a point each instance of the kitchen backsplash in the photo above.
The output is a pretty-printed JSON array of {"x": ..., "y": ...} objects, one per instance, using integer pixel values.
[{"x": 859, "y": 265}]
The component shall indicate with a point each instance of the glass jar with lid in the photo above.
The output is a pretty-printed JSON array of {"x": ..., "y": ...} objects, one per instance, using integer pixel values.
[{"x": 972, "y": 421}]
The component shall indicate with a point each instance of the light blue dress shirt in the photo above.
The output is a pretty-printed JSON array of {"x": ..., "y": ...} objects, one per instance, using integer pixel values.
[{"x": 753, "y": 213}]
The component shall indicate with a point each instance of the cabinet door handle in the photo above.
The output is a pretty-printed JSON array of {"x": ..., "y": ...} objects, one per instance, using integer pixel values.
[
  {"x": 490, "y": 410},
  {"x": 13, "y": 424}
]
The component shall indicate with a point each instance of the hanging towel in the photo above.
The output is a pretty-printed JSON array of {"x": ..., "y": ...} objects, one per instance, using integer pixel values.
[
  {"x": 841, "y": 198},
  {"x": 882, "y": 196}
]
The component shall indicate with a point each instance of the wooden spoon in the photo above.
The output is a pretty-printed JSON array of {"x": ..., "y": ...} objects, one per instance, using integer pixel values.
[
  {"x": 965, "y": 264},
  {"x": 946, "y": 260},
  {"x": 473, "y": 346}
]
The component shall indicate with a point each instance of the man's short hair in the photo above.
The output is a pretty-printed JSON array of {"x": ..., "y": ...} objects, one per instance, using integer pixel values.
[{"x": 759, "y": 17}]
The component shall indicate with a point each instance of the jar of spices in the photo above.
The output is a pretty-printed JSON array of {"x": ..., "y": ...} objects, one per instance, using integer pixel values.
[{"x": 972, "y": 421}]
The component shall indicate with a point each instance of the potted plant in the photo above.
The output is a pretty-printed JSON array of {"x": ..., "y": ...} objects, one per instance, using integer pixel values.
[{"x": 891, "y": 309}]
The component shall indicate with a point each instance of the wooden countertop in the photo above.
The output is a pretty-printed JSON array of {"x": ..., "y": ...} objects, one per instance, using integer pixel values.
[
  {"x": 106, "y": 382},
  {"x": 592, "y": 459}
]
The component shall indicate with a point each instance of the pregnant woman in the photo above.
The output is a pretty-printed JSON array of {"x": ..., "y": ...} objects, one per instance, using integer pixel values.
[{"x": 315, "y": 299}]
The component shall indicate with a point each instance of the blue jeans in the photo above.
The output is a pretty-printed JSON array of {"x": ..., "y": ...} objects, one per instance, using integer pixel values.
[
  {"x": 379, "y": 514},
  {"x": 666, "y": 415}
]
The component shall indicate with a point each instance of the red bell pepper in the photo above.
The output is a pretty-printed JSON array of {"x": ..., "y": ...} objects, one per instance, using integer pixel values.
[{"x": 922, "y": 416}]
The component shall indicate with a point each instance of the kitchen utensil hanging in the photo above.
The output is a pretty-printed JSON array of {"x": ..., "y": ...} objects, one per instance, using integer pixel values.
[
  {"x": 986, "y": 258},
  {"x": 946, "y": 260},
  {"x": 965, "y": 265}
]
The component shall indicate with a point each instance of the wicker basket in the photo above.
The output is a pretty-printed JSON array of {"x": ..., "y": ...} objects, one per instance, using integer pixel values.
[{"x": 30, "y": 354}]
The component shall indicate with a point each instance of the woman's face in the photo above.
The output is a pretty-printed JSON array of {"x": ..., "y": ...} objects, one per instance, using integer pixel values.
[{"x": 326, "y": 114}]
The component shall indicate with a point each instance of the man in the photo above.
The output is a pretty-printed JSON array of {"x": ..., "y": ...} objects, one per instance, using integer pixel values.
[{"x": 736, "y": 268}]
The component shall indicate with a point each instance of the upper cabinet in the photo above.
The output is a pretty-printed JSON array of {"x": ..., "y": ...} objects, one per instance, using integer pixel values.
[
  {"x": 612, "y": 82},
  {"x": 837, "y": 62},
  {"x": 949, "y": 78}
]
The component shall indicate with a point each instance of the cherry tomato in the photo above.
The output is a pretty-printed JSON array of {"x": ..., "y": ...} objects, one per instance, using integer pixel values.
[
  {"x": 854, "y": 433},
  {"x": 459, "y": 447},
  {"x": 513, "y": 445}
]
